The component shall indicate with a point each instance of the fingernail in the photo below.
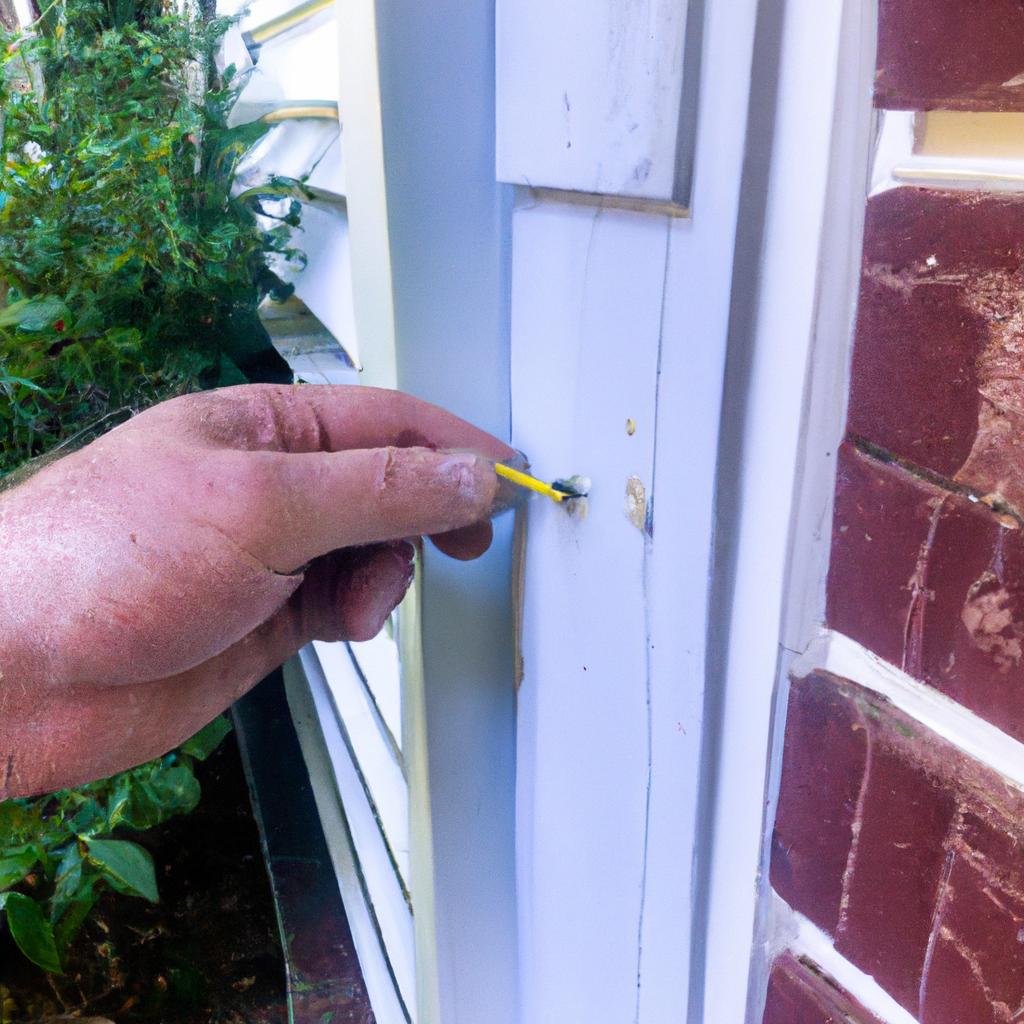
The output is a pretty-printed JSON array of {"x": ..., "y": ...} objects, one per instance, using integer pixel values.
[{"x": 481, "y": 478}]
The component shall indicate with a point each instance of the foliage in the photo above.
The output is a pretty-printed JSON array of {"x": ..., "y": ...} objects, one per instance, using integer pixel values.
[
  {"x": 58, "y": 853},
  {"x": 131, "y": 272}
]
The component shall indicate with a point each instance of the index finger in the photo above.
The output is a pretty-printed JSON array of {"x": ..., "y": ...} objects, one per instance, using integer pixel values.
[{"x": 326, "y": 418}]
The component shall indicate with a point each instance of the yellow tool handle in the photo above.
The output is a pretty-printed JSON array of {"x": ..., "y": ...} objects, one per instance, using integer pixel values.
[{"x": 525, "y": 480}]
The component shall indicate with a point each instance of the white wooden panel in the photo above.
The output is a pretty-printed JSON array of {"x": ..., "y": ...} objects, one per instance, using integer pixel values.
[
  {"x": 299, "y": 65},
  {"x": 591, "y": 95},
  {"x": 587, "y": 302},
  {"x": 325, "y": 284},
  {"x": 817, "y": 183},
  {"x": 382, "y": 886},
  {"x": 379, "y": 663},
  {"x": 370, "y": 743},
  {"x": 447, "y": 233},
  {"x": 306, "y": 698}
]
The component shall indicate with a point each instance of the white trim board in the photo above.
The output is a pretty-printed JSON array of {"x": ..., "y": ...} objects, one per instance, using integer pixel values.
[
  {"x": 813, "y": 58},
  {"x": 378, "y": 973},
  {"x": 583, "y": 280},
  {"x": 597, "y": 96},
  {"x": 378, "y": 882},
  {"x": 658, "y": 706}
]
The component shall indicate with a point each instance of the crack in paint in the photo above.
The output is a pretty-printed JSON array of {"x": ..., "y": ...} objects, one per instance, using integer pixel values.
[{"x": 648, "y": 632}]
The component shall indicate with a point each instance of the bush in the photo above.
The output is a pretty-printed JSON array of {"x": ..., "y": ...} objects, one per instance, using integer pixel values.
[
  {"x": 131, "y": 271},
  {"x": 60, "y": 853}
]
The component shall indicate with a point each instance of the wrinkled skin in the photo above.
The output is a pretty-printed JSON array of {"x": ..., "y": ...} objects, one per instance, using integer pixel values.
[{"x": 151, "y": 578}]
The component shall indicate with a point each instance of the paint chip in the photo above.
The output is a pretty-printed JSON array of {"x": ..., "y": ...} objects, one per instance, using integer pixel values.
[{"x": 636, "y": 502}]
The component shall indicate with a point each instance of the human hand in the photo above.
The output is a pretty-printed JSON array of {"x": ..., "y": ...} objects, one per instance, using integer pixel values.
[{"x": 151, "y": 578}]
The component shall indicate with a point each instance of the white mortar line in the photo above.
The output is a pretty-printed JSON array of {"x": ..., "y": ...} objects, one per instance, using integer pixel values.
[
  {"x": 801, "y": 937},
  {"x": 977, "y": 738}
]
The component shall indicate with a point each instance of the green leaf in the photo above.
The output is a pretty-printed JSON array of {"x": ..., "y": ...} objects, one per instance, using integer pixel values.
[
  {"x": 176, "y": 789},
  {"x": 73, "y": 919},
  {"x": 15, "y": 866},
  {"x": 127, "y": 866},
  {"x": 206, "y": 741},
  {"x": 30, "y": 930},
  {"x": 70, "y": 881},
  {"x": 143, "y": 810},
  {"x": 33, "y": 314}
]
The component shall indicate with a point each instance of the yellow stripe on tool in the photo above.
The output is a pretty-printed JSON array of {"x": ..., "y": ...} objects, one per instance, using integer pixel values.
[{"x": 525, "y": 480}]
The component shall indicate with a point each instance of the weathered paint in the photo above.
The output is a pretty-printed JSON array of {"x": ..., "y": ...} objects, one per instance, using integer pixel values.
[{"x": 598, "y": 97}]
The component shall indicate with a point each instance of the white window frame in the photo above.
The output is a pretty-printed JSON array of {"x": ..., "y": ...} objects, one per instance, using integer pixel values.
[{"x": 788, "y": 404}]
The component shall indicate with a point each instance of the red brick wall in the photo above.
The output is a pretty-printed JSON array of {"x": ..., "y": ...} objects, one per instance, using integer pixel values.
[{"x": 906, "y": 852}]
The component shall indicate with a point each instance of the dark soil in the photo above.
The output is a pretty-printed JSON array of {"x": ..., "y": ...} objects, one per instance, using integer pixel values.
[{"x": 208, "y": 953}]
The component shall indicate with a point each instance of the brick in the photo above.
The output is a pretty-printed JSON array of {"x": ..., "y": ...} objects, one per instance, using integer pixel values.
[
  {"x": 898, "y": 865},
  {"x": 798, "y": 993},
  {"x": 931, "y": 582},
  {"x": 818, "y": 802},
  {"x": 881, "y": 518},
  {"x": 975, "y": 972},
  {"x": 936, "y": 377},
  {"x": 932, "y": 884},
  {"x": 950, "y": 55}
]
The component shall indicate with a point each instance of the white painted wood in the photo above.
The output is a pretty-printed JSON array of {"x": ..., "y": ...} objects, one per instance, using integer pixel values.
[
  {"x": 421, "y": 839},
  {"x": 359, "y": 909},
  {"x": 300, "y": 65},
  {"x": 669, "y": 984},
  {"x": 591, "y": 96},
  {"x": 372, "y": 751},
  {"x": 380, "y": 882},
  {"x": 692, "y": 361},
  {"x": 325, "y": 283},
  {"x": 587, "y": 301},
  {"x": 379, "y": 662},
  {"x": 569, "y": 972},
  {"x": 363, "y": 147},
  {"x": 809, "y": 167},
  {"x": 448, "y": 236}
]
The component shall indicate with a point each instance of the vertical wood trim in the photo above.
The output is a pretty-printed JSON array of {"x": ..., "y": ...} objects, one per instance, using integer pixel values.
[
  {"x": 765, "y": 399},
  {"x": 362, "y": 141}
]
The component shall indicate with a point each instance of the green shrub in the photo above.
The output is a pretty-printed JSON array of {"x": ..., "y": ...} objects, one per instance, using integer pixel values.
[
  {"x": 57, "y": 853},
  {"x": 131, "y": 272}
]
